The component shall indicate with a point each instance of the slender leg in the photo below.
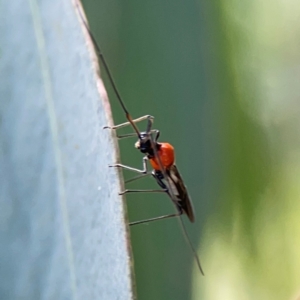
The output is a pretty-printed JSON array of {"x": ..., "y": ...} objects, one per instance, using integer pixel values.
[
  {"x": 143, "y": 191},
  {"x": 128, "y": 123},
  {"x": 133, "y": 134},
  {"x": 127, "y": 135},
  {"x": 138, "y": 177},
  {"x": 156, "y": 219},
  {"x": 149, "y": 125},
  {"x": 157, "y": 134},
  {"x": 144, "y": 171}
]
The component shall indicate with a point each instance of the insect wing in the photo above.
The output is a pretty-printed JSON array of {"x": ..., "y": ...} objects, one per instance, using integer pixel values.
[{"x": 180, "y": 191}]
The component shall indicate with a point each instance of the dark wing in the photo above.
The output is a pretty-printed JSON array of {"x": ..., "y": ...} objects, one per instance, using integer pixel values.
[{"x": 183, "y": 200}]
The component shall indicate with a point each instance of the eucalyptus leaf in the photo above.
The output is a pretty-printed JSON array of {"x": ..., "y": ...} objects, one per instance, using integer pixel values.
[{"x": 63, "y": 233}]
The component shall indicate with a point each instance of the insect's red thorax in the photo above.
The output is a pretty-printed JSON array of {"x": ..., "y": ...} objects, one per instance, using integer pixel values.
[{"x": 166, "y": 155}]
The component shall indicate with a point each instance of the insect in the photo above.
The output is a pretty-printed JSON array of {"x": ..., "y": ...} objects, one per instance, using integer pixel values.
[{"x": 160, "y": 155}]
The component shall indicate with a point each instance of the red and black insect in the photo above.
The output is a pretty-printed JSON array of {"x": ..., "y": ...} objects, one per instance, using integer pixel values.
[{"x": 161, "y": 157}]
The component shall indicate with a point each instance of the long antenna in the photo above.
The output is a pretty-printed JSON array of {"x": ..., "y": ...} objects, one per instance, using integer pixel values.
[
  {"x": 129, "y": 118},
  {"x": 112, "y": 82}
]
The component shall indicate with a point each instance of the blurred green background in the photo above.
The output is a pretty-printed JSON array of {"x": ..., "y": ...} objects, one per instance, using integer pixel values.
[{"x": 222, "y": 80}]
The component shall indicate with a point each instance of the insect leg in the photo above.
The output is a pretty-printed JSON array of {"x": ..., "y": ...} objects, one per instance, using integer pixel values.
[
  {"x": 144, "y": 171},
  {"x": 149, "y": 125},
  {"x": 157, "y": 135},
  {"x": 128, "y": 123},
  {"x": 133, "y": 134},
  {"x": 143, "y": 191},
  {"x": 137, "y": 177},
  {"x": 157, "y": 218}
]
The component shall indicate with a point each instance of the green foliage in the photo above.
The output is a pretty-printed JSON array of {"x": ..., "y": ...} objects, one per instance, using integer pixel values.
[{"x": 221, "y": 79}]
